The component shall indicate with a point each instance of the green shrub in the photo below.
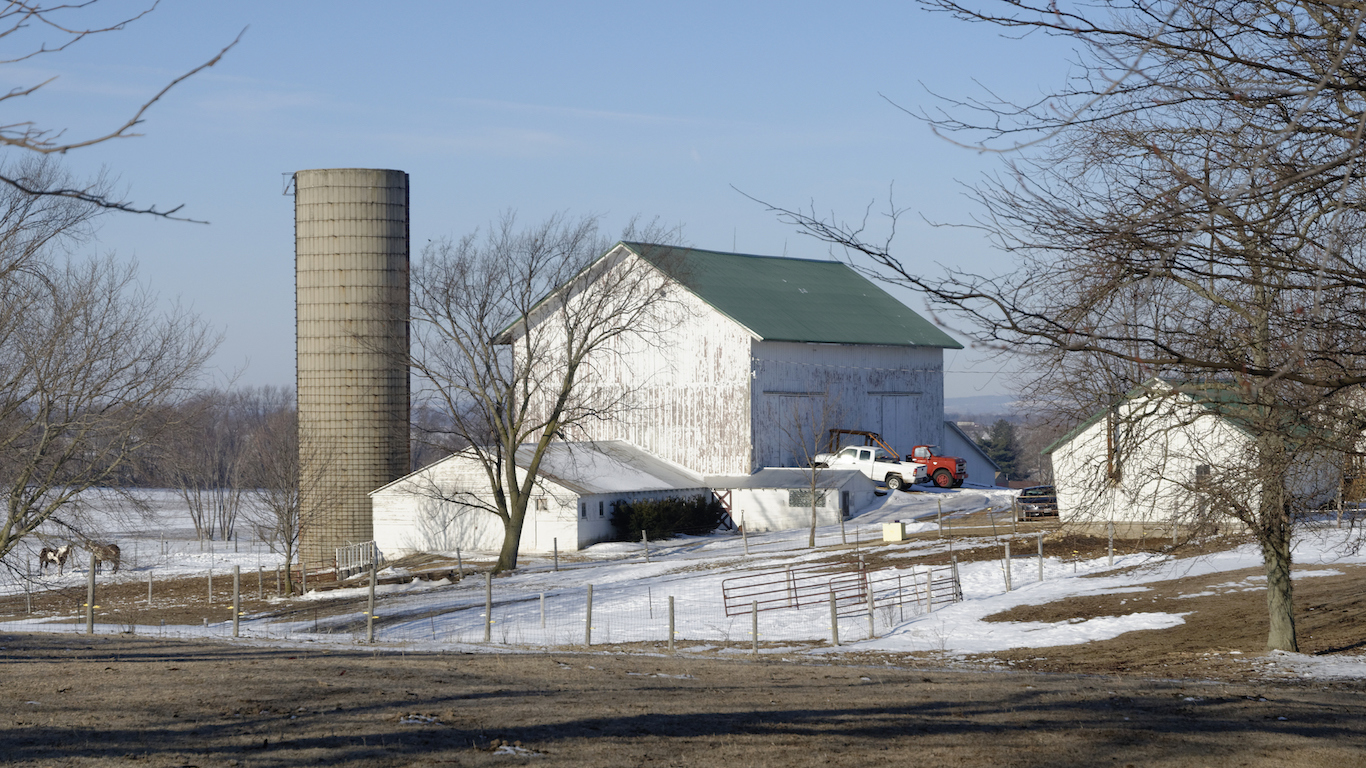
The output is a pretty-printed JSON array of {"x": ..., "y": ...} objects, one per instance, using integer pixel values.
[{"x": 665, "y": 518}]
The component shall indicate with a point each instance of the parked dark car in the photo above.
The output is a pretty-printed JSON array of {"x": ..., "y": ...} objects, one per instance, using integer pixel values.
[{"x": 1038, "y": 501}]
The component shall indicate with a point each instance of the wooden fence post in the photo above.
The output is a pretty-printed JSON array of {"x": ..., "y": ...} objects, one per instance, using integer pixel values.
[
  {"x": 90, "y": 597},
  {"x": 236, "y": 596},
  {"x": 834, "y": 618},
  {"x": 488, "y": 606},
  {"x": 588, "y": 619},
  {"x": 754, "y": 624},
  {"x": 370, "y": 608}
]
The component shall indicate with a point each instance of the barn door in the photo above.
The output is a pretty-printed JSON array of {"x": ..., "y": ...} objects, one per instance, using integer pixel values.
[{"x": 899, "y": 421}]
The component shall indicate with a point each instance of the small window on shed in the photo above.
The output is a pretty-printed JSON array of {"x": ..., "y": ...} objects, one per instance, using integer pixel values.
[
  {"x": 1202, "y": 474},
  {"x": 542, "y": 504},
  {"x": 583, "y": 510},
  {"x": 801, "y": 499},
  {"x": 599, "y": 509}
]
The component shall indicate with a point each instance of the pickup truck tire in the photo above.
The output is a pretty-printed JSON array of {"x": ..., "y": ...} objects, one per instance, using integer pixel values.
[
  {"x": 943, "y": 478},
  {"x": 957, "y": 483},
  {"x": 895, "y": 483}
]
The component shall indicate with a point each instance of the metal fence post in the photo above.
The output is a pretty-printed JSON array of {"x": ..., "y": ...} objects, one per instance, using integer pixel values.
[
  {"x": 1040, "y": 555},
  {"x": 671, "y": 623},
  {"x": 542, "y": 610},
  {"x": 210, "y": 585},
  {"x": 645, "y": 542},
  {"x": 744, "y": 533},
  {"x": 940, "y": 502},
  {"x": 260, "y": 582},
  {"x": 149, "y": 586},
  {"x": 557, "y": 553}
]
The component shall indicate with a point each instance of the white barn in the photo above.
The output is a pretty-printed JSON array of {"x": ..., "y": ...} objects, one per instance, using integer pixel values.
[
  {"x": 444, "y": 506},
  {"x": 779, "y": 499},
  {"x": 756, "y": 348},
  {"x": 1145, "y": 463}
]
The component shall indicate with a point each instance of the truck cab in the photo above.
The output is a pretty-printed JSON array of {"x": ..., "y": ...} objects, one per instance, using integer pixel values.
[
  {"x": 876, "y": 464},
  {"x": 944, "y": 471}
]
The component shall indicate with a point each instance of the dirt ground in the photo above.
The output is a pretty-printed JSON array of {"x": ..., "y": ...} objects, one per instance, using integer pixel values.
[
  {"x": 1189, "y": 695},
  {"x": 75, "y": 701}
]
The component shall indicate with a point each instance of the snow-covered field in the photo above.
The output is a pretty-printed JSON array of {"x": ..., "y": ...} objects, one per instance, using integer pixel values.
[{"x": 538, "y": 607}]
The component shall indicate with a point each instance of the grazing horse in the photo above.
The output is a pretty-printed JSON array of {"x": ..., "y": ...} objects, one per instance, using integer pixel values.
[
  {"x": 50, "y": 556},
  {"x": 106, "y": 553}
]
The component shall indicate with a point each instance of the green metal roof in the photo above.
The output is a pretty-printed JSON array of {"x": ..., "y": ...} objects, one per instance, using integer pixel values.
[
  {"x": 782, "y": 299},
  {"x": 1220, "y": 400}
]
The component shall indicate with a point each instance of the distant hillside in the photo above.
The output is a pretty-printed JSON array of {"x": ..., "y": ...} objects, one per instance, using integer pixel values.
[{"x": 980, "y": 406}]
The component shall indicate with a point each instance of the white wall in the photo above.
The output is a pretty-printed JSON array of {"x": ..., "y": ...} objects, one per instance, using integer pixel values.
[
  {"x": 895, "y": 391},
  {"x": 767, "y": 509},
  {"x": 423, "y": 513},
  {"x": 680, "y": 392},
  {"x": 1158, "y": 446}
]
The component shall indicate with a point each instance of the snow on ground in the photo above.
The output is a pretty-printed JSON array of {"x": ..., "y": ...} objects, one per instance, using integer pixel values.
[{"x": 538, "y": 607}]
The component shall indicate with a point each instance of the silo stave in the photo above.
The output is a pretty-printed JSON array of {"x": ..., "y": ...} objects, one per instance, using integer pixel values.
[{"x": 351, "y": 268}]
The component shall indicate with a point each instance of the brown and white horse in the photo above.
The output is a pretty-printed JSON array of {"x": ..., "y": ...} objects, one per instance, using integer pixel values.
[
  {"x": 53, "y": 556},
  {"x": 106, "y": 553}
]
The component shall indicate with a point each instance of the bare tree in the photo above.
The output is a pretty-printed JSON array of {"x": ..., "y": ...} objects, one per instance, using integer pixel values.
[
  {"x": 88, "y": 363},
  {"x": 1188, "y": 206},
  {"x": 202, "y": 460},
  {"x": 505, "y": 324},
  {"x": 279, "y": 464},
  {"x": 33, "y": 30},
  {"x": 806, "y": 432}
]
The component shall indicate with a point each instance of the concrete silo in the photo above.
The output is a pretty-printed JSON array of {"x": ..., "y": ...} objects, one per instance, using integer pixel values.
[{"x": 351, "y": 293}]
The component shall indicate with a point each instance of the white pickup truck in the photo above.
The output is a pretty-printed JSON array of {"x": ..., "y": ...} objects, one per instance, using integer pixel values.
[{"x": 876, "y": 464}]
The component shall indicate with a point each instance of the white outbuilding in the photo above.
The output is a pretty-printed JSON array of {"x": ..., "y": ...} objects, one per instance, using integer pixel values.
[
  {"x": 446, "y": 505},
  {"x": 1168, "y": 455},
  {"x": 778, "y": 499}
]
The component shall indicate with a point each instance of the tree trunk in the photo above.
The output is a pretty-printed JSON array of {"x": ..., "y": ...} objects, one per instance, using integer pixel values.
[
  {"x": 1280, "y": 599},
  {"x": 1273, "y": 534},
  {"x": 512, "y": 539}
]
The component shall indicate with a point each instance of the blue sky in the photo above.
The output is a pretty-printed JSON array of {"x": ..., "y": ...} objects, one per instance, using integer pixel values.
[{"x": 609, "y": 108}]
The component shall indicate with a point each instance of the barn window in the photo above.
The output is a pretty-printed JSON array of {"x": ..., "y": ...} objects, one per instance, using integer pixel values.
[
  {"x": 1202, "y": 474},
  {"x": 542, "y": 504},
  {"x": 583, "y": 510},
  {"x": 803, "y": 499},
  {"x": 599, "y": 509}
]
